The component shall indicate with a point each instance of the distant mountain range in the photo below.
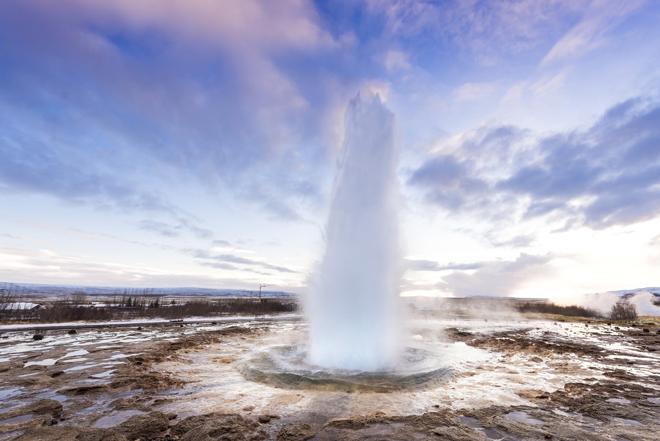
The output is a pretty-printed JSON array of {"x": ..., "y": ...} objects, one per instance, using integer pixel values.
[{"x": 63, "y": 290}]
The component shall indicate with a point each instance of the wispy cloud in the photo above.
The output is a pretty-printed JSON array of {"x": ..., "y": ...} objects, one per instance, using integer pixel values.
[
  {"x": 432, "y": 265},
  {"x": 590, "y": 32},
  {"x": 473, "y": 91},
  {"x": 488, "y": 30},
  {"x": 396, "y": 60},
  {"x": 234, "y": 261},
  {"x": 174, "y": 229}
]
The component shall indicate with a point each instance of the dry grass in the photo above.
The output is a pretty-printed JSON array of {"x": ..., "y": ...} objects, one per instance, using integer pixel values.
[
  {"x": 149, "y": 307},
  {"x": 551, "y": 308}
]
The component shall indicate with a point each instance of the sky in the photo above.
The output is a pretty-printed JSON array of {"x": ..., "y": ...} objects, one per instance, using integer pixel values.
[{"x": 174, "y": 143}]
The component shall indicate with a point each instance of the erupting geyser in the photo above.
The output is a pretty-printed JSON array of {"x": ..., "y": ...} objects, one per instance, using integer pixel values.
[{"x": 353, "y": 308}]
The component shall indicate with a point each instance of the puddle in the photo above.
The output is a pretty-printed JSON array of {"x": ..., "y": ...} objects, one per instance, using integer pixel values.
[
  {"x": 627, "y": 422},
  {"x": 52, "y": 395},
  {"x": 81, "y": 367},
  {"x": 470, "y": 422},
  {"x": 17, "y": 419},
  {"x": 9, "y": 392},
  {"x": 46, "y": 362},
  {"x": 618, "y": 401},
  {"x": 523, "y": 417},
  {"x": 77, "y": 353},
  {"x": 119, "y": 356},
  {"x": 104, "y": 374},
  {"x": 75, "y": 360},
  {"x": 116, "y": 418}
]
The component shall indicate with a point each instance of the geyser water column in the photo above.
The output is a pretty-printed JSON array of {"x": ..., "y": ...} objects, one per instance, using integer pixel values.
[{"x": 353, "y": 309}]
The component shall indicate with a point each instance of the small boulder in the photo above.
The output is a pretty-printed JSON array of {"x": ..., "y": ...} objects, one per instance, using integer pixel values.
[
  {"x": 72, "y": 332},
  {"x": 37, "y": 337}
]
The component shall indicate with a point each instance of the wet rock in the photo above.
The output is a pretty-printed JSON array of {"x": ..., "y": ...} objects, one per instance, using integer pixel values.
[
  {"x": 431, "y": 425},
  {"x": 83, "y": 389},
  {"x": 72, "y": 332},
  {"x": 37, "y": 337},
  {"x": 148, "y": 426},
  {"x": 101, "y": 435},
  {"x": 533, "y": 394},
  {"x": 226, "y": 427},
  {"x": 296, "y": 432},
  {"x": 56, "y": 374},
  {"x": 264, "y": 419},
  {"x": 39, "y": 412},
  {"x": 57, "y": 433},
  {"x": 45, "y": 407},
  {"x": 458, "y": 335},
  {"x": 646, "y": 330},
  {"x": 449, "y": 432}
]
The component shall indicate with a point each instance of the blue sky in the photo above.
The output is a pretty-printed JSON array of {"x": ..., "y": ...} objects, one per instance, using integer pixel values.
[{"x": 193, "y": 143}]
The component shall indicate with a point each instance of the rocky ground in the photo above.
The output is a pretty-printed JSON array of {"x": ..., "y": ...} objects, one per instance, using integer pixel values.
[{"x": 119, "y": 385}]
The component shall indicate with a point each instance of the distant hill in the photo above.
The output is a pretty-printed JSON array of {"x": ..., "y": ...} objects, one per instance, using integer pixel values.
[
  {"x": 63, "y": 290},
  {"x": 630, "y": 292}
]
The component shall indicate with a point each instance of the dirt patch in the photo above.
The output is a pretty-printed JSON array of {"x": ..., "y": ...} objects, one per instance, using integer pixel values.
[{"x": 519, "y": 342}]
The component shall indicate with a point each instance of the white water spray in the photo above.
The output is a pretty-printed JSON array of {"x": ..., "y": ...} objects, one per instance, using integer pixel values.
[{"x": 354, "y": 307}]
